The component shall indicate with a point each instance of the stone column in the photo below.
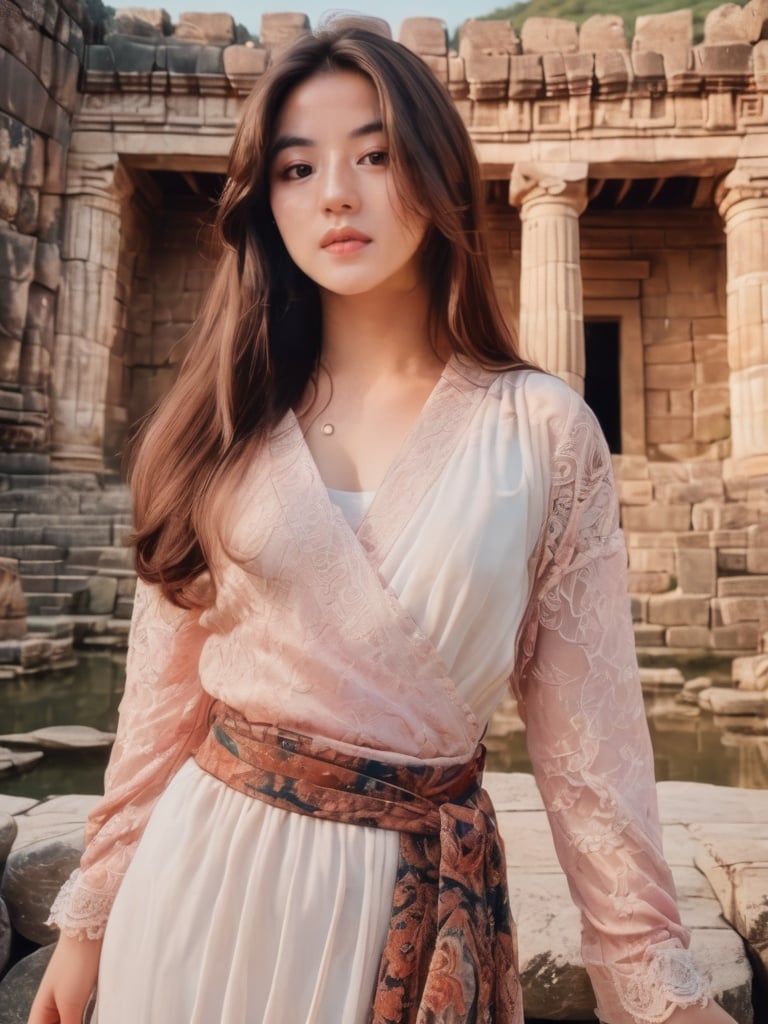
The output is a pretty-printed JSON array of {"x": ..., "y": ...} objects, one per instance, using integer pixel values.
[
  {"x": 551, "y": 198},
  {"x": 742, "y": 198},
  {"x": 85, "y": 318}
]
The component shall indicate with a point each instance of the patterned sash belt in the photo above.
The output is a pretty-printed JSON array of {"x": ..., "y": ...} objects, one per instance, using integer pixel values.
[{"x": 450, "y": 954}]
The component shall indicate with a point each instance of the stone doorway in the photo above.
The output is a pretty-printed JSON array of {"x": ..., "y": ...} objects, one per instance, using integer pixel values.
[{"x": 602, "y": 380}]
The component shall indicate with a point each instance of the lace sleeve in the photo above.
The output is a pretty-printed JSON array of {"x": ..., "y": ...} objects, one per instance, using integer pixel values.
[
  {"x": 579, "y": 692},
  {"x": 163, "y": 718}
]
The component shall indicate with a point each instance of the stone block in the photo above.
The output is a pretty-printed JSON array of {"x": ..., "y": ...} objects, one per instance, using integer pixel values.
[
  {"x": 48, "y": 265},
  {"x": 487, "y": 37},
  {"x": 677, "y": 352},
  {"x": 688, "y": 636},
  {"x": 757, "y": 560},
  {"x": 731, "y": 560},
  {"x": 652, "y": 560},
  {"x": 425, "y": 36},
  {"x": 647, "y": 635},
  {"x": 602, "y": 32},
  {"x": 697, "y": 571},
  {"x": 743, "y": 637},
  {"x": 648, "y": 582},
  {"x": 630, "y": 467},
  {"x": 751, "y": 672},
  {"x": 488, "y": 76},
  {"x": 668, "y": 376},
  {"x": 696, "y": 491},
  {"x": 668, "y": 429},
  {"x": 723, "y": 64},
  {"x": 635, "y": 492},
  {"x": 243, "y": 64},
  {"x": 669, "y": 34},
  {"x": 280, "y": 30},
  {"x": 730, "y": 611},
  {"x": 725, "y": 24},
  {"x": 208, "y": 29},
  {"x": 755, "y": 15},
  {"x": 547, "y": 35},
  {"x": 526, "y": 76},
  {"x": 722, "y": 700},
  {"x": 150, "y": 23},
  {"x": 613, "y": 72},
  {"x": 711, "y": 427},
  {"x": 677, "y": 609},
  {"x": 657, "y": 517}
]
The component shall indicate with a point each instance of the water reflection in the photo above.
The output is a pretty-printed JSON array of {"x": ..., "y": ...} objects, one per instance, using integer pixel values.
[{"x": 689, "y": 744}]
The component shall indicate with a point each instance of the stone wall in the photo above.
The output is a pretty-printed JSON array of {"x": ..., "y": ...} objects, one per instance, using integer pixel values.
[{"x": 41, "y": 51}]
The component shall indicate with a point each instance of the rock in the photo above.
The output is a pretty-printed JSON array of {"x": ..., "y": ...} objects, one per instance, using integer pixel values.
[
  {"x": 19, "y": 987},
  {"x": 696, "y": 802},
  {"x": 549, "y": 35},
  {"x": 62, "y": 737},
  {"x": 6, "y": 936},
  {"x": 667, "y": 677},
  {"x": 425, "y": 36},
  {"x": 279, "y": 30},
  {"x": 751, "y": 672},
  {"x": 46, "y": 851},
  {"x": 142, "y": 21},
  {"x": 755, "y": 15},
  {"x": 102, "y": 594},
  {"x": 724, "y": 701},
  {"x": 8, "y": 831},
  {"x": 725, "y": 24},
  {"x": 16, "y": 804},
  {"x": 692, "y": 688},
  {"x": 15, "y": 761},
  {"x": 602, "y": 32},
  {"x": 488, "y": 38},
  {"x": 668, "y": 34},
  {"x": 210, "y": 29}
]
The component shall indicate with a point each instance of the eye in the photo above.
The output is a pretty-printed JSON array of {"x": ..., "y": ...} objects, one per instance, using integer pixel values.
[
  {"x": 296, "y": 171},
  {"x": 376, "y": 158}
]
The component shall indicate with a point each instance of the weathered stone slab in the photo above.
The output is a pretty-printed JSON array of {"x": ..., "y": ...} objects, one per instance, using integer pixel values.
[
  {"x": 61, "y": 737},
  {"x": 279, "y": 30},
  {"x": 153, "y": 23},
  {"x": 208, "y": 29},
  {"x": 548, "y": 35},
  {"x": 676, "y": 609},
  {"x": 602, "y": 32},
  {"x": 487, "y": 37},
  {"x": 726, "y": 24},
  {"x": 16, "y": 761},
  {"x": 724, "y": 701},
  {"x": 425, "y": 36},
  {"x": 668, "y": 34}
]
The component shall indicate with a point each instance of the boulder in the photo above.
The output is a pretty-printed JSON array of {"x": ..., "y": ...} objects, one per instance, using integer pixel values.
[
  {"x": 46, "y": 851},
  {"x": 8, "y": 831},
  {"x": 6, "y": 936},
  {"x": 19, "y": 987},
  {"x": 15, "y": 761}
]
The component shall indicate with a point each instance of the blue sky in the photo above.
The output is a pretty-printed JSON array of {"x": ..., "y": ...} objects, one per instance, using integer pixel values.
[{"x": 453, "y": 12}]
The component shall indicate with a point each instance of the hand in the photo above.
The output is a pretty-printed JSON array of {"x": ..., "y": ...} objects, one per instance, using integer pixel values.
[
  {"x": 69, "y": 979},
  {"x": 710, "y": 1014}
]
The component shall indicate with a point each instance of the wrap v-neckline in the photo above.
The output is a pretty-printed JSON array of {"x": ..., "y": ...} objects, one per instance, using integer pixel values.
[{"x": 418, "y": 461}]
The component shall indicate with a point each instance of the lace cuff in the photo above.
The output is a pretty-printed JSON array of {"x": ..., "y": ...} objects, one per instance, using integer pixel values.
[
  {"x": 80, "y": 912},
  {"x": 668, "y": 979}
]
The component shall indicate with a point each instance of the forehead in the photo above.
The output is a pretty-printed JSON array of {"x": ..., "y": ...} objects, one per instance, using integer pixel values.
[{"x": 343, "y": 99}]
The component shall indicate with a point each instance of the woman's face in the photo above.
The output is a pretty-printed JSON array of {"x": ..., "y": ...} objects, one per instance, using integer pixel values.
[{"x": 334, "y": 195}]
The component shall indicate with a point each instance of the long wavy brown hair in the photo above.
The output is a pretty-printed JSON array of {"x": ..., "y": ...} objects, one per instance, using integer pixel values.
[{"x": 256, "y": 343}]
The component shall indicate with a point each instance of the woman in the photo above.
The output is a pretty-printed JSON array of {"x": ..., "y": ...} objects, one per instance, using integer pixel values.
[{"x": 358, "y": 514}]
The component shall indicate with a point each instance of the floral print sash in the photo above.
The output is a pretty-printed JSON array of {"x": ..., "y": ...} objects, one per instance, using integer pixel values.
[{"x": 450, "y": 955}]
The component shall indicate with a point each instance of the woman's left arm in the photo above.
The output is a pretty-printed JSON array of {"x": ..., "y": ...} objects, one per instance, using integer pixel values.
[{"x": 580, "y": 695}]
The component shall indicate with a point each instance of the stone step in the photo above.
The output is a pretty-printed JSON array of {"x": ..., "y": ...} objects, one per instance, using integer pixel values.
[
  {"x": 32, "y": 552},
  {"x": 49, "y": 604},
  {"x": 63, "y": 519},
  {"x": 75, "y": 536},
  {"x": 55, "y": 625},
  {"x": 41, "y": 500},
  {"x": 47, "y": 567},
  {"x": 53, "y": 584},
  {"x": 14, "y": 536},
  {"x": 24, "y": 462},
  {"x": 31, "y": 481}
]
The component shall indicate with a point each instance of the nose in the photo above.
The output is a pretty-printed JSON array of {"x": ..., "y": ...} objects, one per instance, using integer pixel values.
[{"x": 338, "y": 190}]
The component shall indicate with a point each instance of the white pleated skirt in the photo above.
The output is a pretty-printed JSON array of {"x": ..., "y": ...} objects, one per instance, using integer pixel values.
[{"x": 236, "y": 912}]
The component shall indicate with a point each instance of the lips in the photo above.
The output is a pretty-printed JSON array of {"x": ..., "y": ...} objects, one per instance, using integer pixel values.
[{"x": 343, "y": 240}]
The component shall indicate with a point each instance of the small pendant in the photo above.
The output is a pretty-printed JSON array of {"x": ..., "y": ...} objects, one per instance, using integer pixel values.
[{"x": 328, "y": 429}]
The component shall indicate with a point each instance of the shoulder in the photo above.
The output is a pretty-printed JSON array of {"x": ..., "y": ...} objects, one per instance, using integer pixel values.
[{"x": 538, "y": 398}]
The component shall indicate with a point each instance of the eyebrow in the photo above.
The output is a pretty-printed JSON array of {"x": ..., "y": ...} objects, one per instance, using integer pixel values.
[{"x": 289, "y": 141}]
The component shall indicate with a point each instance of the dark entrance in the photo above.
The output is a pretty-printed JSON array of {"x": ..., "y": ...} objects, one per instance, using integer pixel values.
[{"x": 602, "y": 381}]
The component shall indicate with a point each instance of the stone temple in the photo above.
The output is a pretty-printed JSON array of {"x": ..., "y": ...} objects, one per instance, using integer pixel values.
[{"x": 626, "y": 172}]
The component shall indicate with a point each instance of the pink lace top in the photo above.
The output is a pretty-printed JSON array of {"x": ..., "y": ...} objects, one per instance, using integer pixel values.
[{"x": 491, "y": 552}]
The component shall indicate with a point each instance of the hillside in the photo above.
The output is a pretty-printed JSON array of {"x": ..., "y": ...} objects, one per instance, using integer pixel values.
[{"x": 580, "y": 10}]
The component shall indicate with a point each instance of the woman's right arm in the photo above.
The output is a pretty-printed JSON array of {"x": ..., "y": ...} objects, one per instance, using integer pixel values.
[{"x": 163, "y": 719}]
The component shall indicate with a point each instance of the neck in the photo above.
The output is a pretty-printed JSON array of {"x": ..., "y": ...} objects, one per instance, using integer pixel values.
[{"x": 375, "y": 335}]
